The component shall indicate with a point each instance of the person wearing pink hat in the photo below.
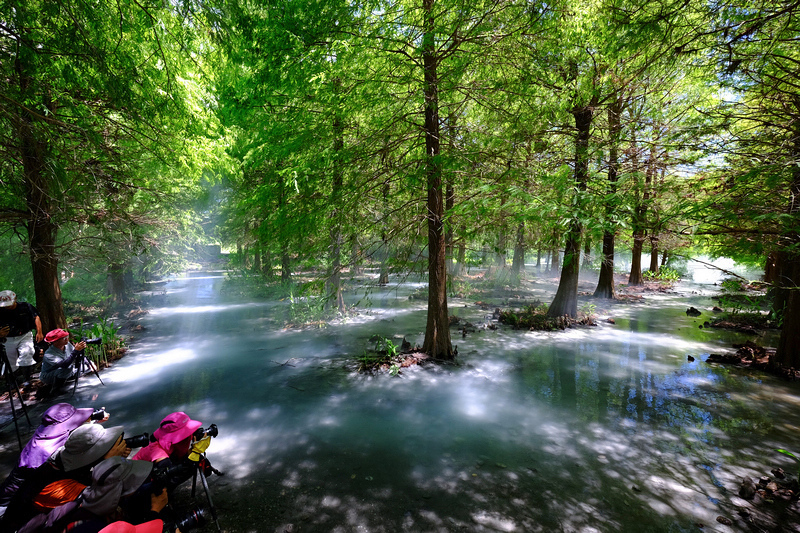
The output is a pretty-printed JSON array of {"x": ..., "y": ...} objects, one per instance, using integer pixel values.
[
  {"x": 17, "y": 321},
  {"x": 170, "y": 451},
  {"x": 173, "y": 439},
  {"x": 57, "y": 365}
]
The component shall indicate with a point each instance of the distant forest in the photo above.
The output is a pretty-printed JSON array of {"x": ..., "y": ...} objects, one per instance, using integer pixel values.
[{"x": 334, "y": 135}]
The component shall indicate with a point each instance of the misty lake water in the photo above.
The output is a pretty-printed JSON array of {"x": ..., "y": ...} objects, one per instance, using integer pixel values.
[{"x": 606, "y": 428}]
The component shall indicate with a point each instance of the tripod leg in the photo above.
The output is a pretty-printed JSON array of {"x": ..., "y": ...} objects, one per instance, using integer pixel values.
[
  {"x": 8, "y": 375},
  {"x": 78, "y": 370},
  {"x": 208, "y": 496},
  {"x": 94, "y": 369}
]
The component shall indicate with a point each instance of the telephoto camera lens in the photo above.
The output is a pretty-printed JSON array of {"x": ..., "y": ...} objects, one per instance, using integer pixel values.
[
  {"x": 201, "y": 433},
  {"x": 138, "y": 441},
  {"x": 193, "y": 519},
  {"x": 98, "y": 340}
]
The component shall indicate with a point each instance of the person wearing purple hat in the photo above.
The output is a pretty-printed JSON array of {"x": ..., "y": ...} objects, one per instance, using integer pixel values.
[
  {"x": 57, "y": 423},
  {"x": 17, "y": 321},
  {"x": 66, "y": 473}
]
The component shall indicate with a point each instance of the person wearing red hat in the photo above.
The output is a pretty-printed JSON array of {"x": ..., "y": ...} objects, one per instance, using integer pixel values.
[
  {"x": 57, "y": 365},
  {"x": 154, "y": 526}
]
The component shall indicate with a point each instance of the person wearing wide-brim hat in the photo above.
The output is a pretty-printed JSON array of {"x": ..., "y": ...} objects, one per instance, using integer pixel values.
[
  {"x": 57, "y": 365},
  {"x": 58, "y": 421},
  {"x": 113, "y": 480},
  {"x": 67, "y": 473},
  {"x": 17, "y": 321},
  {"x": 173, "y": 441}
]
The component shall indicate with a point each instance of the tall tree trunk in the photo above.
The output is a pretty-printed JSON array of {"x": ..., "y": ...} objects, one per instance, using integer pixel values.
[
  {"x": 115, "y": 283},
  {"x": 437, "y": 342},
  {"x": 266, "y": 261},
  {"x": 42, "y": 230},
  {"x": 355, "y": 256},
  {"x": 460, "y": 259},
  {"x": 449, "y": 201},
  {"x": 653, "y": 254},
  {"x": 605, "y": 283},
  {"x": 565, "y": 301},
  {"x": 554, "y": 266},
  {"x": 334, "y": 282},
  {"x": 639, "y": 218},
  {"x": 788, "y": 352},
  {"x": 518, "y": 263},
  {"x": 286, "y": 263},
  {"x": 384, "y": 255},
  {"x": 587, "y": 253}
]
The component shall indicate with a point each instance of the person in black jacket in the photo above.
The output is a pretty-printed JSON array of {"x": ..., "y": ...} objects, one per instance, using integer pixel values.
[{"x": 17, "y": 321}]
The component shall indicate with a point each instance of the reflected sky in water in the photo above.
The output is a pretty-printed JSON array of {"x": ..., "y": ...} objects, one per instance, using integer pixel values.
[{"x": 608, "y": 428}]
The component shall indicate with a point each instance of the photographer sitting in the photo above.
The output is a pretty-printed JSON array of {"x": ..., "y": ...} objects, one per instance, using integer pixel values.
[
  {"x": 66, "y": 474},
  {"x": 114, "y": 482},
  {"x": 57, "y": 423},
  {"x": 57, "y": 365}
]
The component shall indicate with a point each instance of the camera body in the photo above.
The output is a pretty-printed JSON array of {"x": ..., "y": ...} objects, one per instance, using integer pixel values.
[
  {"x": 138, "y": 441},
  {"x": 211, "y": 431},
  {"x": 99, "y": 414}
]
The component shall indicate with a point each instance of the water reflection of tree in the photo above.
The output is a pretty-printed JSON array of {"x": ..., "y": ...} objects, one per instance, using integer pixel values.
[{"x": 595, "y": 385}]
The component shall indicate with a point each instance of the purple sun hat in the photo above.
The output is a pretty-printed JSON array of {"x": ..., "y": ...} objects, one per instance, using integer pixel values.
[{"x": 57, "y": 423}]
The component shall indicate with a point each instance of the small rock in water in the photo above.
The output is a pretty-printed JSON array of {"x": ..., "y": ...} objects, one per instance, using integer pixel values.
[
  {"x": 724, "y": 521},
  {"x": 693, "y": 312},
  {"x": 690, "y": 358},
  {"x": 611, "y": 321},
  {"x": 747, "y": 489},
  {"x": 779, "y": 473}
]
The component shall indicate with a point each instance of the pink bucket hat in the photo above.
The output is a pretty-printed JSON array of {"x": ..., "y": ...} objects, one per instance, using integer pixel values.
[
  {"x": 54, "y": 335},
  {"x": 175, "y": 428},
  {"x": 154, "y": 526}
]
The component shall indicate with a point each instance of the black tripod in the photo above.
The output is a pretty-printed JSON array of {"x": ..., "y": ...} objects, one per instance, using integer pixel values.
[
  {"x": 199, "y": 472},
  {"x": 11, "y": 385},
  {"x": 81, "y": 363}
]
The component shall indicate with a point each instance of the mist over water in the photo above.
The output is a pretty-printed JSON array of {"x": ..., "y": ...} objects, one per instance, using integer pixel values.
[{"x": 605, "y": 428}]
